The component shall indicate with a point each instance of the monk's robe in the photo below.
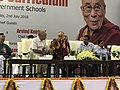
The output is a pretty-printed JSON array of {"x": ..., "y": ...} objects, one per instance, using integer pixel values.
[{"x": 109, "y": 32}]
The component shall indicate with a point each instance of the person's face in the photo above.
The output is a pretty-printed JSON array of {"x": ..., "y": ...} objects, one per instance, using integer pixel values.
[
  {"x": 3, "y": 38},
  {"x": 85, "y": 39},
  {"x": 65, "y": 38},
  {"x": 60, "y": 35},
  {"x": 42, "y": 36},
  {"x": 101, "y": 44},
  {"x": 93, "y": 12}
]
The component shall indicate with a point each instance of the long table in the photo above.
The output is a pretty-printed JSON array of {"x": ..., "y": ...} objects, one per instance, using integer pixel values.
[{"x": 112, "y": 63}]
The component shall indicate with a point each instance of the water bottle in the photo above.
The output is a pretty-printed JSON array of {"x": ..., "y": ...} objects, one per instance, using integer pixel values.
[{"x": 101, "y": 56}]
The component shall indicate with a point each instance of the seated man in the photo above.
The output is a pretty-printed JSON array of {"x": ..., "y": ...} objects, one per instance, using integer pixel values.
[
  {"x": 104, "y": 54},
  {"x": 5, "y": 50},
  {"x": 40, "y": 48},
  {"x": 102, "y": 51},
  {"x": 87, "y": 45}
]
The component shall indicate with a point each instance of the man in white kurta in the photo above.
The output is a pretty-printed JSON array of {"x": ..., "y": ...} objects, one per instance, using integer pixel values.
[{"x": 39, "y": 48}]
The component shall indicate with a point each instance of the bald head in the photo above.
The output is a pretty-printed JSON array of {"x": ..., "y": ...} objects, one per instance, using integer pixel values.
[
  {"x": 101, "y": 1},
  {"x": 42, "y": 32},
  {"x": 42, "y": 35}
]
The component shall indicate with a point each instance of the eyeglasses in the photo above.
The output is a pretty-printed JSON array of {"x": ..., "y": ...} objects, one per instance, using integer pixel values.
[
  {"x": 88, "y": 8},
  {"x": 59, "y": 35}
]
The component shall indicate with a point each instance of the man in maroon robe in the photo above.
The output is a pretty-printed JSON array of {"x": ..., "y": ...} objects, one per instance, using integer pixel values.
[
  {"x": 59, "y": 48},
  {"x": 98, "y": 27}
]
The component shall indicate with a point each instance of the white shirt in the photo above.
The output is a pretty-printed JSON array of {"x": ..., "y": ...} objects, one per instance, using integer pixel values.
[
  {"x": 38, "y": 44},
  {"x": 102, "y": 51},
  {"x": 90, "y": 46}
]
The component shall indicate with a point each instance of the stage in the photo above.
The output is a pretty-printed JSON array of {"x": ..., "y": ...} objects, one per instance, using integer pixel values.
[{"x": 94, "y": 83}]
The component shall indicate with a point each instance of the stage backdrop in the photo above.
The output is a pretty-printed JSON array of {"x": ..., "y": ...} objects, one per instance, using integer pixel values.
[{"x": 19, "y": 18}]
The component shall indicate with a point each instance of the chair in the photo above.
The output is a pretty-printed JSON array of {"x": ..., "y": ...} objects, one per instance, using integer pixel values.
[
  {"x": 7, "y": 42},
  {"x": 74, "y": 45},
  {"x": 24, "y": 49},
  {"x": 48, "y": 42},
  {"x": 26, "y": 45},
  {"x": 114, "y": 48}
]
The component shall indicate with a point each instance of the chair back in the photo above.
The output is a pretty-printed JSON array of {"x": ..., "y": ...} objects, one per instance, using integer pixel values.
[
  {"x": 114, "y": 48},
  {"x": 74, "y": 44},
  {"x": 7, "y": 42}
]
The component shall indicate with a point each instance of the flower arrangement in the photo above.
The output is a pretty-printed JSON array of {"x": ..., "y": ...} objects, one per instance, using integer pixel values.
[
  {"x": 116, "y": 54},
  {"x": 78, "y": 85},
  {"x": 86, "y": 55},
  {"x": 112, "y": 83},
  {"x": 11, "y": 85}
]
